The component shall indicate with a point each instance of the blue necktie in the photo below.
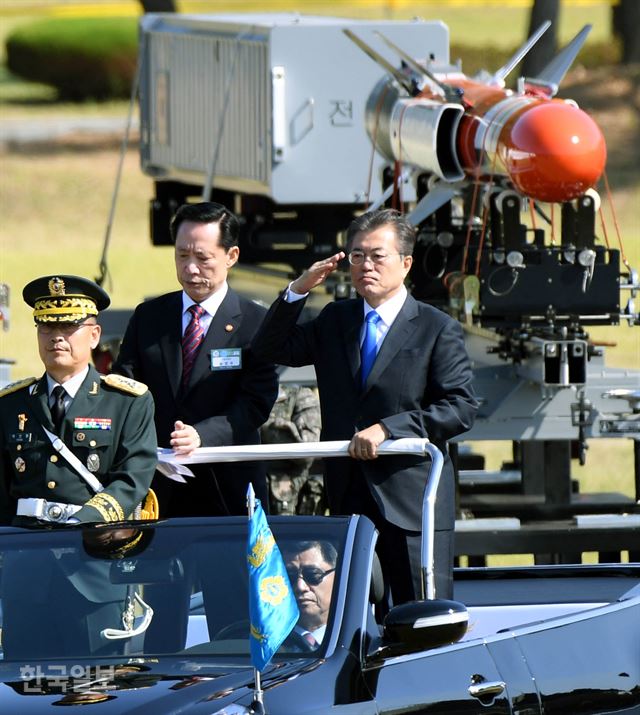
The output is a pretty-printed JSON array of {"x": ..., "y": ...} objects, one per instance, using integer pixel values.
[{"x": 368, "y": 350}]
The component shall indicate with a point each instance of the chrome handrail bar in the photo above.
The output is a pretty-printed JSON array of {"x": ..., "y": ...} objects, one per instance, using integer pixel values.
[{"x": 173, "y": 466}]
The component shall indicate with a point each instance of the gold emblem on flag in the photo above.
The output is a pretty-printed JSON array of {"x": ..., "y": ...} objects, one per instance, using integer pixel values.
[
  {"x": 257, "y": 634},
  {"x": 261, "y": 550},
  {"x": 273, "y": 590}
]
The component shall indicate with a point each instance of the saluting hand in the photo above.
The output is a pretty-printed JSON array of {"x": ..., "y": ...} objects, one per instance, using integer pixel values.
[
  {"x": 184, "y": 439},
  {"x": 364, "y": 444},
  {"x": 316, "y": 274}
]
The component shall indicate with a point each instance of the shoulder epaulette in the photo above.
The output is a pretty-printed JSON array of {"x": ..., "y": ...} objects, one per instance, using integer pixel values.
[
  {"x": 125, "y": 384},
  {"x": 15, "y": 386}
]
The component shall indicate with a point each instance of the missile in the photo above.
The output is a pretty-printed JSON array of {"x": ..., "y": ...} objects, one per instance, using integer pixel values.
[{"x": 458, "y": 128}]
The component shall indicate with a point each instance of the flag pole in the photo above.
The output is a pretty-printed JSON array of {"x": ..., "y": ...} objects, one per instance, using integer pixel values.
[{"x": 257, "y": 706}]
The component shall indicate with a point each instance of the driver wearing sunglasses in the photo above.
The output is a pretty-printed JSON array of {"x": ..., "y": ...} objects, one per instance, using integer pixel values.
[{"x": 311, "y": 568}]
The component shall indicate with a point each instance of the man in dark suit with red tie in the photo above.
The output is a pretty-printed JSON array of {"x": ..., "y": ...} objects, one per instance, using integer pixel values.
[
  {"x": 388, "y": 367},
  {"x": 191, "y": 348}
]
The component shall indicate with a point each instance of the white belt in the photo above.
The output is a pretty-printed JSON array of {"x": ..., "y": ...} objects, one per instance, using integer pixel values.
[
  {"x": 67, "y": 454},
  {"x": 46, "y": 510}
]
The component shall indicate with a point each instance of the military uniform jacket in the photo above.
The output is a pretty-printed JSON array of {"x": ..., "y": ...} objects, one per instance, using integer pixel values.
[
  {"x": 419, "y": 386},
  {"x": 107, "y": 426}
]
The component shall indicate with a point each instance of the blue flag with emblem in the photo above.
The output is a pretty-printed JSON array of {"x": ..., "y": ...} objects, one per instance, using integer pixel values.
[{"x": 272, "y": 605}]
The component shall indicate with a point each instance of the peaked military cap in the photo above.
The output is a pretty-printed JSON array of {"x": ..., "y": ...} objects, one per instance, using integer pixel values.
[
  {"x": 64, "y": 299},
  {"x": 116, "y": 543}
]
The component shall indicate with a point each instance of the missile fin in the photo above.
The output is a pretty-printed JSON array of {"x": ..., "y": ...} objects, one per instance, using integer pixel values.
[
  {"x": 500, "y": 76},
  {"x": 437, "y": 197},
  {"x": 415, "y": 65},
  {"x": 402, "y": 79},
  {"x": 553, "y": 74}
]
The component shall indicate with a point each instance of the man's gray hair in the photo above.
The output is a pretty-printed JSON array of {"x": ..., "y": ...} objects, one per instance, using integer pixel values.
[{"x": 368, "y": 222}]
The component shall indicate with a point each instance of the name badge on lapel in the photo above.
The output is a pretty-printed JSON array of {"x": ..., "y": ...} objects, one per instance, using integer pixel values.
[{"x": 226, "y": 359}]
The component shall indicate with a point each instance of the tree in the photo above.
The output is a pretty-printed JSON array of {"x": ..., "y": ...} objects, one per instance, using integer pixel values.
[
  {"x": 626, "y": 26},
  {"x": 546, "y": 47},
  {"x": 158, "y": 5}
]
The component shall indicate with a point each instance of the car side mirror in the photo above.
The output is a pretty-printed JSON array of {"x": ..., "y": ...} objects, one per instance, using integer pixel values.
[{"x": 422, "y": 625}]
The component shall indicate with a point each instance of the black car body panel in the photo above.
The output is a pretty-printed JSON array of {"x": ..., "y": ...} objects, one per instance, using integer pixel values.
[{"x": 562, "y": 639}]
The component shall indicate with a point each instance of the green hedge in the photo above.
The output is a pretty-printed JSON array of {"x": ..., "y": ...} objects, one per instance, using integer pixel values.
[
  {"x": 95, "y": 58},
  {"x": 83, "y": 58},
  {"x": 489, "y": 58}
]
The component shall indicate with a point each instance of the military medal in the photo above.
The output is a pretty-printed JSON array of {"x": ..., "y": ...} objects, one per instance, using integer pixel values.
[
  {"x": 20, "y": 464},
  {"x": 93, "y": 462},
  {"x": 22, "y": 420}
]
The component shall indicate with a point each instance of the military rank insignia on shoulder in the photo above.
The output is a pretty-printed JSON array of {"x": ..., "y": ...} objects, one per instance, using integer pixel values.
[
  {"x": 15, "y": 386},
  {"x": 125, "y": 384}
]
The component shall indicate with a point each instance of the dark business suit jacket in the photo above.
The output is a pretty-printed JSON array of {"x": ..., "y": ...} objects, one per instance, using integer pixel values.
[
  {"x": 225, "y": 406},
  {"x": 419, "y": 386}
]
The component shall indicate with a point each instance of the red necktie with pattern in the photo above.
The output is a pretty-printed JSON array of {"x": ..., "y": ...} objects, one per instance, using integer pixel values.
[
  {"x": 310, "y": 639},
  {"x": 191, "y": 341}
]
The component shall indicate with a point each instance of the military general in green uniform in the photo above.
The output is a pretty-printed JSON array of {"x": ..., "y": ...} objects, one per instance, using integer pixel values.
[{"x": 75, "y": 446}]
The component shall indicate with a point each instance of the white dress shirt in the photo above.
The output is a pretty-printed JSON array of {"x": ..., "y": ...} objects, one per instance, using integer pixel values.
[
  {"x": 210, "y": 306},
  {"x": 71, "y": 387},
  {"x": 388, "y": 312},
  {"x": 318, "y": 633}
]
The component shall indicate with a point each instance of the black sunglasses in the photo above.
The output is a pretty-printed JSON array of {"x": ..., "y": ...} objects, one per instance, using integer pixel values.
[{"x": 308, "y": 574}]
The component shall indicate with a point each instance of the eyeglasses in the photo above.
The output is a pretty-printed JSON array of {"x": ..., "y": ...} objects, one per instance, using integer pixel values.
[
  {"x": 357, "y": 258},
  {"x": 61, "y": 328},
  {"x": 308, "y": 574}
]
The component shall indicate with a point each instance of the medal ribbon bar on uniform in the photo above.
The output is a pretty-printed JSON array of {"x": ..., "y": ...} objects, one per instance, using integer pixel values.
[{"x": 92, "y": 423}]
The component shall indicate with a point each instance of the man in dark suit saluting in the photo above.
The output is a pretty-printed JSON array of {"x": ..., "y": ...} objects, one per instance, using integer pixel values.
[
  {"x": 190, "y": 348},
  {"x": 387, "y": 367}
]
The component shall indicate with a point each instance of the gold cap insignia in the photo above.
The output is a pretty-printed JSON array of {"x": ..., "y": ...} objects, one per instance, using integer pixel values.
[
  {"x": 56, "y": 286},
  {"x": 64, "y": 299}
]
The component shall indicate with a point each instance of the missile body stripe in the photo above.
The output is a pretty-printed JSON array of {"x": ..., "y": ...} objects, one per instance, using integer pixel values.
[{"x": 494, "y": 121}]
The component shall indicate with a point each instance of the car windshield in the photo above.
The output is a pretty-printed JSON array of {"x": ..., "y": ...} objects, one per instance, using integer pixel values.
[{"x": 167, "y": 589}]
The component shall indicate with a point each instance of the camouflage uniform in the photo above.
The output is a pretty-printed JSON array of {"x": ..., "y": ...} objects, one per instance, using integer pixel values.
[{"x": 295, "y": 417}]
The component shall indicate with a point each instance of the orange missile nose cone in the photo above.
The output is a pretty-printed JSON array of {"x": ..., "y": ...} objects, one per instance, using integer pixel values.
[{"x": 554, "y": 151}]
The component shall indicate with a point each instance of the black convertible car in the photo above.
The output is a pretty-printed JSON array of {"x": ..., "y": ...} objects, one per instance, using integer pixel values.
[{"x": 153, "y": 618}]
